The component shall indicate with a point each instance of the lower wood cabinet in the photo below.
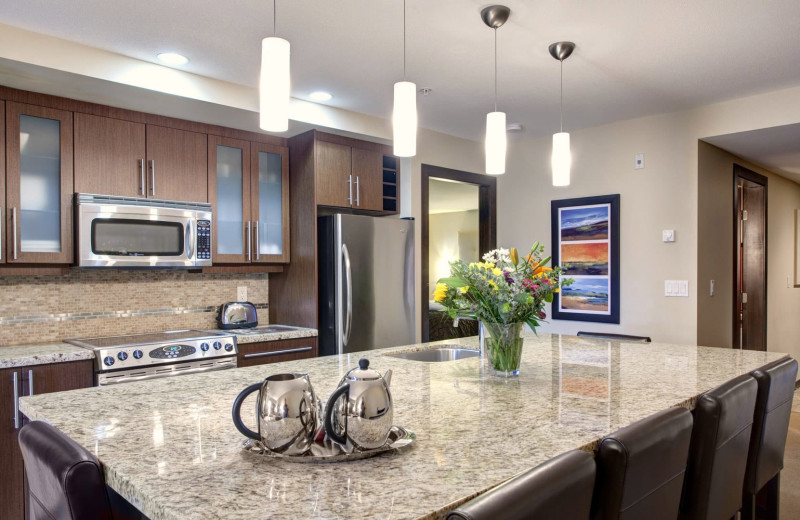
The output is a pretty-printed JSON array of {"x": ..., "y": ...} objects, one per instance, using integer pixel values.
[
  {"x": 18, "y": 382},
  {"x": 251, "y": 354}
]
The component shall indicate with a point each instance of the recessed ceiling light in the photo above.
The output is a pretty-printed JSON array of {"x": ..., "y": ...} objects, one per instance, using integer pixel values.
[
  {"x": 320, "y": 96},
  {"x": 171, "y": 58}
]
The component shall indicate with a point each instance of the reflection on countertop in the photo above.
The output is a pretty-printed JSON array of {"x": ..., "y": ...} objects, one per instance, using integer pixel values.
[{"x": 170, "y": 447}]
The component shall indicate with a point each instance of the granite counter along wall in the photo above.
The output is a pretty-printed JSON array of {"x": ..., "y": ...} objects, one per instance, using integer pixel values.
[{"x": 88, "y": 303}]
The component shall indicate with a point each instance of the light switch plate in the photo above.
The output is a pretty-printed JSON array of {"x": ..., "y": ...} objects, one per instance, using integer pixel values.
[
  {"x": 638, "y": 161},
  {"x": 668, "y": 235},
  {"x": 676, "y": 288}
]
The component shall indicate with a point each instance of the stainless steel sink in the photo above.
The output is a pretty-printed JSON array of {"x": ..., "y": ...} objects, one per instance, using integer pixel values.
[{"x": 437, "y": 355}]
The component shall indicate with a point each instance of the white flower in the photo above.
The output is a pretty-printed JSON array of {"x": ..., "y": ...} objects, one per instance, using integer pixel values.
[{"x": 498, "y": 256}]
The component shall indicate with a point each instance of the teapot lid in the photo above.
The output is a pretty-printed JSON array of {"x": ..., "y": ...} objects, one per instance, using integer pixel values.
[{"x": 363, "y": 372}]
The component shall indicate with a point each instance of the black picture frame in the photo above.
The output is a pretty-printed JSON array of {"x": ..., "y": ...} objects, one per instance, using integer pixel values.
[{"x": 585, "y": 299}]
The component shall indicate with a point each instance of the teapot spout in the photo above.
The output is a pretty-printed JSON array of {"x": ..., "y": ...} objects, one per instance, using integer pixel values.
[{"x": 387, "y": 376}]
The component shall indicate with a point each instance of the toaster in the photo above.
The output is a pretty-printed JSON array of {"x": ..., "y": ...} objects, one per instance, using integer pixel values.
[{"x": 237, "y": 315}]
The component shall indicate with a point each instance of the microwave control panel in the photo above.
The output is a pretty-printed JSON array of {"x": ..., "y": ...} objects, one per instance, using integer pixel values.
[{"x": 204, "y": 240}]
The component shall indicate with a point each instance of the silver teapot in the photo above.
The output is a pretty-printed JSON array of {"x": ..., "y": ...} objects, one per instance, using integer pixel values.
[
  {"x": 360, "y": 409},
  {"x": 287, "y": 410}
]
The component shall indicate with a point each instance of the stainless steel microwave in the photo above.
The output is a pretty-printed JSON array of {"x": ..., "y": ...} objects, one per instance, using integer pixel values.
[{"x": 131, "y": 232}]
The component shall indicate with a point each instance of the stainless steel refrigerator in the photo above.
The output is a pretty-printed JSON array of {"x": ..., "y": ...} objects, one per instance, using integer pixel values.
[{"x": 366, "y": 283}]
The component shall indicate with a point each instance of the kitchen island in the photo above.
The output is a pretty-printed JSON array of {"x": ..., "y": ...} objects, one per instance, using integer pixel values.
[{"x": 169, "y": 446}]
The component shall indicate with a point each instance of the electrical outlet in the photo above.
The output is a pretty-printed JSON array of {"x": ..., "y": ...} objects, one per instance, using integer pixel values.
[
  {"x": 668, "y": 235},
  {"x": 638, "y": 161},
  {"x": 241, "y": 294}
]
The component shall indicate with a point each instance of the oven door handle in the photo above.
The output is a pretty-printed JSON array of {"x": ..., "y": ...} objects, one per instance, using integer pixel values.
[{"x": 158, "y": 375}]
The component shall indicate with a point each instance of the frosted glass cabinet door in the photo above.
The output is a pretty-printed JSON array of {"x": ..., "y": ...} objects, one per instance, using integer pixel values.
[
  {"x": 39, "y": 181},
  {"x": 228, "y": 185},
  {"x": 270, "y": 203}
]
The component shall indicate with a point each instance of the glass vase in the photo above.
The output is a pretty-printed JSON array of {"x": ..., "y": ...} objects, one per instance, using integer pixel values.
[{"x": 501, "y": 346}]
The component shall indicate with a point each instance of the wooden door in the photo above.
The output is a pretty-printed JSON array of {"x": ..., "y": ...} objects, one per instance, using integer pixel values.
[
  {"x": 750, "y": 312},
  {"x": 109, "y": 156},
  {"x": 229, "y": 194},
  {"x": 368, "y": 176},
  {"x": 3, "y": 207},
  {"x": 177, "y": 164},
  {"x": 269, "y": 202},
  {"x": 12, "y": 502},
  {"x": 334, "y": 174},
  {"x": 40, "y": 227}
]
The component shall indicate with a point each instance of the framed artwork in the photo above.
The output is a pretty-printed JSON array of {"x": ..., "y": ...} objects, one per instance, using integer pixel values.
[{"x": 585, "y": 235}]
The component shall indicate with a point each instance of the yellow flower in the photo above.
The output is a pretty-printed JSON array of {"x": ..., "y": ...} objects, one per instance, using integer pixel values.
[
  {"x": 497, "y": 272},
  {"x": 464, "y": 289},
  {"x": 492, "y": 284},
  {"x": 514, "y": 256},
  {"x": 440, "y": 292}
]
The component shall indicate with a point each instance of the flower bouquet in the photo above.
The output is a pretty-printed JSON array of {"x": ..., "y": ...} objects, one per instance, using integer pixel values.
[{"x": 504, "y": 292}]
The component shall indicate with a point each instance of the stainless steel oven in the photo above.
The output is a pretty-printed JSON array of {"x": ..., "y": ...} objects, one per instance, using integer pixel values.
[
  {"x": 142, "y": 233},
  {"x": 139, "y": 357}
]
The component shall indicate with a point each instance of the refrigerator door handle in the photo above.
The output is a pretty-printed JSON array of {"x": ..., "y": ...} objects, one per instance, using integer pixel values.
[{"x": 348, "y": 276}]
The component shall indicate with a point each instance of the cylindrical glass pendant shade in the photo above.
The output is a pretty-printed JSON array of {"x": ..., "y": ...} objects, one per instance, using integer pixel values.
[
  {"x": 274, "y": 85},
  {"x": 561, "y": 159},
  {"x": 495, "y": 143},
  {"x": 404, "y": 119}
]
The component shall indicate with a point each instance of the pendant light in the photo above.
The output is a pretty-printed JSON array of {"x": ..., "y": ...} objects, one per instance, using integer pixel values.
[
  {"x": 274, "y": 84},
  {"x": 404, "y": 116},
  {"x": 562, "y": 157},
  {"x": 495, "y": 16}
]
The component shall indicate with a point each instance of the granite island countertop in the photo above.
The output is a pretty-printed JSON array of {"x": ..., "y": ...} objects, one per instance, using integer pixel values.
[{"x": 170, "y": 448}]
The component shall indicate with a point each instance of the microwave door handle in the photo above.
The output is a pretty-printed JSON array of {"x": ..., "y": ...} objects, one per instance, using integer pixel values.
[{"x": 188, "y": 239}]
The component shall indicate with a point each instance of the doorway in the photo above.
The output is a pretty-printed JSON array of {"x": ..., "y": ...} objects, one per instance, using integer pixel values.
[
  {"x": 750, "y": 260},
  {"x": 459, "y": 221}
]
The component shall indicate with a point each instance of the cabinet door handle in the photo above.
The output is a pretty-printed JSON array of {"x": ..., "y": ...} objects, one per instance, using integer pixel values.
[
  {"x": 358, "y": 198},
  {"x": 247, "y": 232},
  {"x": 14, "y": 231},
  {"x": 350, "y": 188},
  {"x": 152, "y": 177},
  {"x": 16, "y": 401},
  {"x": 141, "y": 171},
  {"x": 257, "y": 240},
  {"x": 277, "y": 352},
  {"x": 30, "y": 382}
]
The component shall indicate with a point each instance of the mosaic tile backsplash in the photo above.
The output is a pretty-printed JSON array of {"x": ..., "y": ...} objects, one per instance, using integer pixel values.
[{"x": 90, "y": 303}]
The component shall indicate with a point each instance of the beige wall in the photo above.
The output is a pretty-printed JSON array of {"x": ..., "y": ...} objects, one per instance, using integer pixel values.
[
  {"x": 715, "y": 255},
  {"x": 105, "y": 302},
  {"x": 443, "y": 230}
]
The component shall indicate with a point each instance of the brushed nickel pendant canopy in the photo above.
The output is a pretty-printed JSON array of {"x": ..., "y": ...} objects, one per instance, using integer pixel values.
[
  {"x": 495, "y": 15},
  {"x": 561, "y": 50}
]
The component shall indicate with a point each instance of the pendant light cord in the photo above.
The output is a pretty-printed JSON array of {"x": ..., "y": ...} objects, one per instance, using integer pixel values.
[
  {"x": 404, "y": 40},
  {"x": 562, "y": 95},
  {"x": 274, "y": 16},
  {"x": 495, "y": 69}
]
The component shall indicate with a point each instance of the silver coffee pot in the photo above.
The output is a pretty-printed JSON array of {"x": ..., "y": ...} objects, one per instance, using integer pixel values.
[
  {"x": 287, "y": 410},
  {"x": 360, "y": 409}
]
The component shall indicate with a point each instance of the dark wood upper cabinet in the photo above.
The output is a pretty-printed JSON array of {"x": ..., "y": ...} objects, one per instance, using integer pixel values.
[
  {"x": 177, "y": 164},
  {"x": 368, "y": 175},
  {"x": 117, "y": 157},
  {"x": 269, "y": 203},
  {"x": 109, "y": 156},
  {"x": 334, "y": 174},
  {"x": 39, "y": 184},
  {"x": 3, "y": 206},
  {"x": 229, "y": 194}
]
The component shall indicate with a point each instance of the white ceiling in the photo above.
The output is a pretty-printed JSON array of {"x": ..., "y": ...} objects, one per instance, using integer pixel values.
[
  {"x": 445, "y": 196},
  {"x": 777, "y": 149},
  {"x": 633, "y": 57}
]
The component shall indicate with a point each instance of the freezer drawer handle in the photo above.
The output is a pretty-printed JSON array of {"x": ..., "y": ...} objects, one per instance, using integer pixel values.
[{"x": 277, "y": 352}]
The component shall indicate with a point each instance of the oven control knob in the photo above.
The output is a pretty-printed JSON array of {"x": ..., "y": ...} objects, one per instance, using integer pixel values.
[
  {"x": 108, "y": 361},
  {"x": 122, "y": 356},
  {"x": 228, "y": 347},
  {"x": 204, "y": 347},
  {"x": 217, "y": 345},
  {"x": 137, "y": 354}
]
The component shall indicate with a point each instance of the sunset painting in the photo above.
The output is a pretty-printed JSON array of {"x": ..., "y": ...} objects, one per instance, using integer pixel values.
[
  {"x": 585, "y": 259},
  {"x": 587, "y": 223},
  {"x": 586, "y": 294}
]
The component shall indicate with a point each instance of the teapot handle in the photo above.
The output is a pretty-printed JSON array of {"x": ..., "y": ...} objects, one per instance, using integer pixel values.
[
  {"x": 329, "y": 429},
  {"x": 237, "y": 412}
]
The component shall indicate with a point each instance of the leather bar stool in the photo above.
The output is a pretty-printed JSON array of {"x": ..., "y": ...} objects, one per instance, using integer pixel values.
[
  {"x": 65, "y": 481},
  {"x": 770, "y": 427},
  {"x": 640, "y": 468},
  {"x": 561, "y": 488},
  {"x": 723, "y": 421}
]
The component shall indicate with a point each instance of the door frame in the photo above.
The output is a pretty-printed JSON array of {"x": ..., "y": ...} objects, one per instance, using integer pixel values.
[
  {"x": 487, "y": 223},
  {"x": 740, "y": 172}
]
